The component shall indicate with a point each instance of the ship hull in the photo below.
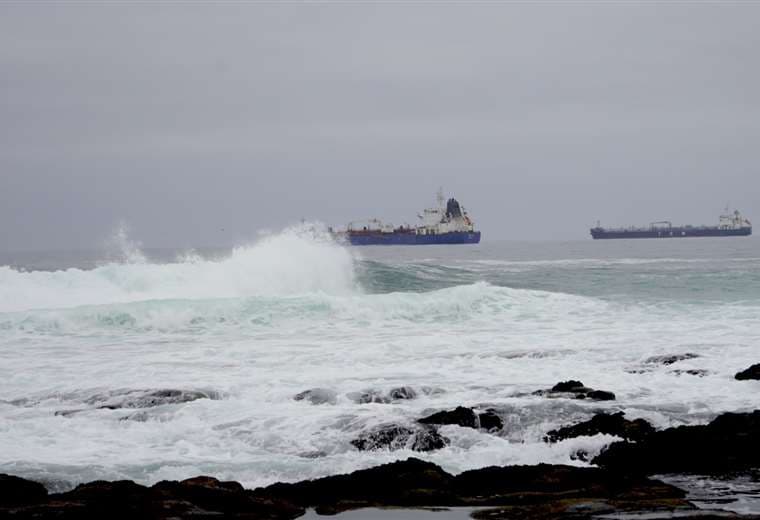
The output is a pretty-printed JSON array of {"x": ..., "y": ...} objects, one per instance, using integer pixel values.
[
  {"x": 599, "y": 233},
  {"x": 410, "y": 239}
]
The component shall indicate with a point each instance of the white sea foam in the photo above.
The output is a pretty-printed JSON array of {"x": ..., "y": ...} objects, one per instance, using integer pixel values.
[{"x": 287, "y": 314}]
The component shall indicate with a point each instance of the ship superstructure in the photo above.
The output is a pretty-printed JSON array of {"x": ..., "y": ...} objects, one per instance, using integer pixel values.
[
  {"x": 447, "y": 223},
  {"x": 731, "y": 224}
]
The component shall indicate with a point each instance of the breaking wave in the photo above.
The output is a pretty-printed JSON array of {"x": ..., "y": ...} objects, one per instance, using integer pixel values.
[{"x": 299, "y": 260}]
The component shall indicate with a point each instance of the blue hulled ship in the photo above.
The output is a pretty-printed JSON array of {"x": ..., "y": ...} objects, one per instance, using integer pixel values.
[
  {"x": 730, "y": 225},
  {"x": 448, "y": 223}
]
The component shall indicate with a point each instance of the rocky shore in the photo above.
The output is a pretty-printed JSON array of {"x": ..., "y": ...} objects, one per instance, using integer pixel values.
[
  {"x": 621, "y": 484},
  {"x": 542, "y": 491}
]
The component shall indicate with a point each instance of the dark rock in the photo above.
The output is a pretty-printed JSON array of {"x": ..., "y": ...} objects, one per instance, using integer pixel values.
[
  {"x": 403, "y": 483},
  {"x": 610, "y": 424},
  {"x": 524, "y": 490},
  {"x": 752, "y": 372},
  {"x": 467, "y": 418},
  {"x": 17, "y": 491},
  {"x": 669, "y": 359},
  {"x": 569, "y": 386},
  {"x": 317, "y": 396},
  {"x": 581, "y": 455},
  {"x": 229, "y": 498},
  {"x": 402, "y": 392},
  {"x": 396, "y": 437},
  {"x": 119, "y": 499},
  {"x": 460, "y": 416},
  {"x": 600, "y": 395},
  {"x": 197, "y": 497},
  {"x": 490, "y": 421},
  {"x": 729, "y": 443},
  {"x": 578, "y": 391}
]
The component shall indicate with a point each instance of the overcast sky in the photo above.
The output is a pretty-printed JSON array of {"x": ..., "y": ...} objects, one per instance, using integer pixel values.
[{"x": 201, "y": 124}]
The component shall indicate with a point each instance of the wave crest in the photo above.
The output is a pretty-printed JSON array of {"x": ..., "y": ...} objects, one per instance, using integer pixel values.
[{"x": 300, "y": 260}]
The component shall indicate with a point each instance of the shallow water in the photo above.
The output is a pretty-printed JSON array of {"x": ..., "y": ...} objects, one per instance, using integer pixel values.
[{"x": 252, "y": 327}]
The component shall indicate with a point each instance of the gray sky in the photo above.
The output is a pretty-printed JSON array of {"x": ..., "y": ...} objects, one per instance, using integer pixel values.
[{"x": 201, "y": 124}]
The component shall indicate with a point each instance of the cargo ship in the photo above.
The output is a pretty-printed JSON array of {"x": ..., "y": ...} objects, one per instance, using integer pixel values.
[
  {"x": 730, "y": 225},
  {"x": 448, "y": 223}
]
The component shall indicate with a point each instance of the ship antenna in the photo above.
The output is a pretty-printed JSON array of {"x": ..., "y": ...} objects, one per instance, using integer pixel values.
[{"x": 440, "y": 196}]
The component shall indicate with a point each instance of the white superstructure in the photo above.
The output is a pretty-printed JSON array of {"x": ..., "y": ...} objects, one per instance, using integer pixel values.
[
  {"x": 448, "y": 217},
  {"x": 733, "y": 221}
]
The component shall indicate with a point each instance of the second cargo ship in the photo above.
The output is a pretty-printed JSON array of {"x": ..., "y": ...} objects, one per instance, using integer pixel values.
[
  {"x": 448, "y": 223},
  {"x": 730, "y": 225}
]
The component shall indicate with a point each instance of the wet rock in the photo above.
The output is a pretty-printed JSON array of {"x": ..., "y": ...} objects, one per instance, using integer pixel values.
[
  {"x": 580, "y": 454},
  {"x": 691, "y": 372},
  {"x": 610, "y": 424},
  {"x": 369, "y": 396},
  {"x": 600, "y": 395},
  {"x": 17, "y": 491},
  {"x": 317, "y": 396},
  {"x": 752, "y": 372},
  {"x": 729, "y": 443},
  {"x": 490, "y": 420},
  {"x": 669, "y": 359},
  {"x": 460, "y": 416},
  {"x": 467, "y": 418},
  {"x": 197, "y": 497},
  {"x": 577, "y": 390},
  {"x": 161, "y": 397},
  {"x": 228, "y": 498},
  {"x": 524, "y": 491},
  {"x": 569, "y": 386},
  {"x": 402, "y": 392},
  {"x": 120, "y": 499},
  {"x": 396, "y": 437},
  {"x": 411, "y": 482},
  {"x": 135, "y": 399}
]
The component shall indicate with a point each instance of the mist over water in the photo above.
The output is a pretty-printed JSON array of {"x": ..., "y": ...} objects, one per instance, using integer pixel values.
[{"x": 240, "y": 332}]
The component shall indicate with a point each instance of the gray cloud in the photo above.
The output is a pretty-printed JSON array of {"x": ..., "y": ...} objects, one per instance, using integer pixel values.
[{"x": 186, "y": 119}]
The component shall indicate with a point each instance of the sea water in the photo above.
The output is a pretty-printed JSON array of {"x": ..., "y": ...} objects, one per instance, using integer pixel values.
[{"x": 85, "y": 336}]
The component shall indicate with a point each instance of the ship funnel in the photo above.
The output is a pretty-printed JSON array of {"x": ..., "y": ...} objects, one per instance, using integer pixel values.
[{"x": 453, "y": 209}]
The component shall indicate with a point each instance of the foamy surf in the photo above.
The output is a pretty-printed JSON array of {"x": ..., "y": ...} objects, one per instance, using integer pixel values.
[{"x": 153, "y": 370}]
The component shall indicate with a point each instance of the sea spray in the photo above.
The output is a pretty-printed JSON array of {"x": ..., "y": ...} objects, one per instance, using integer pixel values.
[{"x": 299, "y": 260}]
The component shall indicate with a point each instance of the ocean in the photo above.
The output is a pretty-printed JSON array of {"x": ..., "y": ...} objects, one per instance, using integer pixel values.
[{"x": 86, "y": 338}]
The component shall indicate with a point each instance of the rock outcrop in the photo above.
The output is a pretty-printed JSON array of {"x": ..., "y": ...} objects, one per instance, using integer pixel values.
[
  {"x": 729, "y": 443},
  {"x": 543, "y": 492},
  {"x": 465, "y": 417},
  {"x": 396, "y": 437},
  {"x": 523, "y": 491},
  {"x": 200, "y": 497},
  {"x": 610, "y": 424},
  {"x": 752, "y": 372},
  {"x": 576, "y": 390}
]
